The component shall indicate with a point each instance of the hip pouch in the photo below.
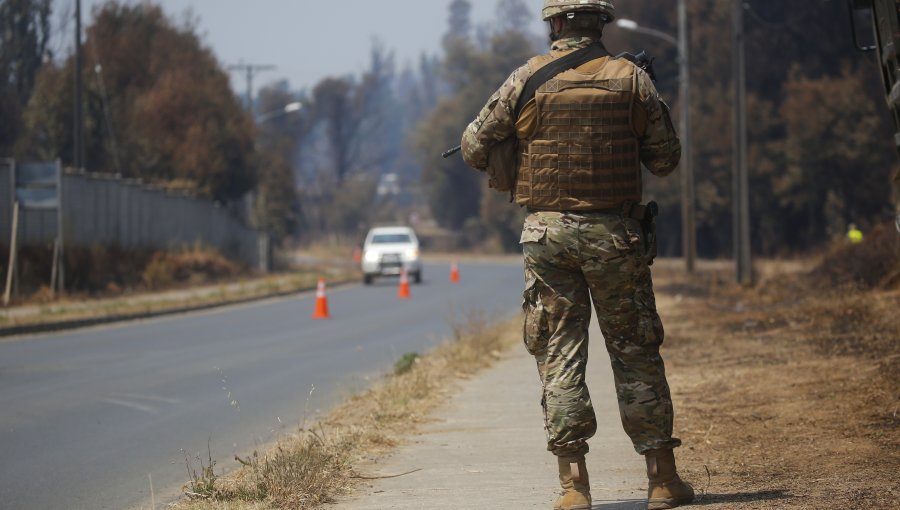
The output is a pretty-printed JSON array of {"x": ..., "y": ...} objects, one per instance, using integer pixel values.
[{"x": 648, "y": 225}]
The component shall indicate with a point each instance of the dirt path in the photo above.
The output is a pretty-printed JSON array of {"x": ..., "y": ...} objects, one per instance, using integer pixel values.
[{"x": 785, "y": 398}]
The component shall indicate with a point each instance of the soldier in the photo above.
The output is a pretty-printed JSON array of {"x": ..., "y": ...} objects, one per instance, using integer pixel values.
[{"x": 582, "y": 136}]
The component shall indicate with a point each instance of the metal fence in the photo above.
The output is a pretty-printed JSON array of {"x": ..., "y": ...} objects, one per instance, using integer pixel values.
[{"x": 110, "y": 211}]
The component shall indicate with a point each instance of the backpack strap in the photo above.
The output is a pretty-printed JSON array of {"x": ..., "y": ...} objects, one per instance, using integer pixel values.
[{"x": 556, "y": 67}]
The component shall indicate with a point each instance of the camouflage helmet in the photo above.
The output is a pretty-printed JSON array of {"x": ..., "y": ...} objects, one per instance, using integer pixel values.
[{"x": 554, "y": 8}]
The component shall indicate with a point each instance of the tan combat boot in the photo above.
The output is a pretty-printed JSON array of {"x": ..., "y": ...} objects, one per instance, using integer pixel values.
[
  {"x": 667, "y": 490},
  {"x": 573, "y": 477}
]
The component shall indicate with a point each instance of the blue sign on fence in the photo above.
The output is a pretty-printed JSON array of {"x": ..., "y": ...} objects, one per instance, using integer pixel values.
[{"x": 37, "y": 185}]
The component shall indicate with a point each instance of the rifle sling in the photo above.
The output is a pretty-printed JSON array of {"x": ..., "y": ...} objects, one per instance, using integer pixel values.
[{"x": 575, "y": 59}]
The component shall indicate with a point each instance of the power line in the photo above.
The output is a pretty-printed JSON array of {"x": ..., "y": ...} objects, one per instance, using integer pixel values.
[
  {"x": 793, "y": 27},
  {"x": 784, "y": 25},
  {"x": 251, "y": 71}
]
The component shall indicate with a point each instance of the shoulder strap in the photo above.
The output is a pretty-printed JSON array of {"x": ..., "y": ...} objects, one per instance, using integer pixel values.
[{"x": 575, "y": 59}]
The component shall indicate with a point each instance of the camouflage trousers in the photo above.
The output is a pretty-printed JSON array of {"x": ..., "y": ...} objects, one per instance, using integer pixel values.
[{"x": 571, "y": 260}]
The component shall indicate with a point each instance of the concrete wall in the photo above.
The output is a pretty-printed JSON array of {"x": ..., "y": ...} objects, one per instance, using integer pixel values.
[{"x": 110, "y": 211}]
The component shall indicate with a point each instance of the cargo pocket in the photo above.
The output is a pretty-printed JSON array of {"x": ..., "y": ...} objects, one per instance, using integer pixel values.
[
  {"x": 533, "y": 234},
  {"x": 621, "y": 244},
  {"x": 650, "y": 332},
  {"x": 536, "y": 332}
]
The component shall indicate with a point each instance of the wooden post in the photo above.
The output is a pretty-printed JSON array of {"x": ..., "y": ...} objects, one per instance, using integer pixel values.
[
  {"x": 60, "y": 259},
  {"x": 12, "y": 254},
  {"x": 53, "y": 271}
]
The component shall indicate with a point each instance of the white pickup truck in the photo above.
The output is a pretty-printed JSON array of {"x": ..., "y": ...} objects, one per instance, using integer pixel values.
[{"x": 389, "y": 250}]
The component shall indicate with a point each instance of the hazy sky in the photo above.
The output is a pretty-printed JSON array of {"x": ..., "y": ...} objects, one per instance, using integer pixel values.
[{"x": 308, "y": 40}]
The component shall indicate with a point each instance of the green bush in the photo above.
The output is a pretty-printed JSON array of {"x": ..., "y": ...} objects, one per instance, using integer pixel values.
[{"x": 405, "y": 363}]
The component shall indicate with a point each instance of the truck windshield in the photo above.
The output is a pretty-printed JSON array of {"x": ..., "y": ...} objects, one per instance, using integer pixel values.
[{"x": 391, "y": 238}]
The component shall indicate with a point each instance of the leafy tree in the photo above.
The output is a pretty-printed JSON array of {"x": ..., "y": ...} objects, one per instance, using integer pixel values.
[
  {"x": 816, "y": 162},
  {"x": 356, "y": 135},
  {"x": 382, "y": 113},
  {"x": 279, "y": 141},
  {"x": 847, "y": 175},
  {"x": 514, "y": 15},
  {"x": 158, "y": 106},
  {"x": 459, "y": 20},
  {"x": 454, "y": 191},
  {"x": 24, "y": 35},
  {"x": 334, "y": 106}
]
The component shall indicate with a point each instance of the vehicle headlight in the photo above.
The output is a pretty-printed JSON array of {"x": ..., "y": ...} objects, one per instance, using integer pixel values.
[
  {"x": 371, "y": 256},
  {"x": 412, "y": 254}
]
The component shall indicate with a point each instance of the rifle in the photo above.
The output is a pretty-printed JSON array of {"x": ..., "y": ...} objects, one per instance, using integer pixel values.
[
  {"x": 449, "y": 152},
  {"x": 642, "y": 60}
]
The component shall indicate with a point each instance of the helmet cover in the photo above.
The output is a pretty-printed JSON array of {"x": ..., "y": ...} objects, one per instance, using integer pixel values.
[{"x": 553, "y": 8}]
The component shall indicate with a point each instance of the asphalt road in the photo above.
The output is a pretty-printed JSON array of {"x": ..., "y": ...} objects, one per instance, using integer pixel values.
[{"x": 88, "y": 417}]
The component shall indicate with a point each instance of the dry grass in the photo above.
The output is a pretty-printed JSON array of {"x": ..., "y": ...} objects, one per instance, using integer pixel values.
[
  {"x": 317, "y": 464},
  {"x": 74, "y": 307},
  {"x": 873, "y": 264},
  {"x": 331, "y": 248},
  {"x": 787, "y": 393},
  {"x": 193, "y": 266}
]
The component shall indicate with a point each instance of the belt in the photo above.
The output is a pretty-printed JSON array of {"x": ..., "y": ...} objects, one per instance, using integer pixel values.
[{"x": 628, "y": 209}]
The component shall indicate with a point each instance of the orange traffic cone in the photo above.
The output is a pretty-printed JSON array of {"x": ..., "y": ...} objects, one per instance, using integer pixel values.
[
  {"x": 321, "y": 302},
  {"x": 403, "y": 293},
  {"x": 454, "y": 272}
]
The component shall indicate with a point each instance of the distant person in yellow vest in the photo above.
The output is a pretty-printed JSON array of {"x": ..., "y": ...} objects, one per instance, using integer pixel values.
[{"x": 854, "y": 234}]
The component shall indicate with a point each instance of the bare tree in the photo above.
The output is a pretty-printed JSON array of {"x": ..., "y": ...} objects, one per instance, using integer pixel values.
[{"x": 352, "y": 114}]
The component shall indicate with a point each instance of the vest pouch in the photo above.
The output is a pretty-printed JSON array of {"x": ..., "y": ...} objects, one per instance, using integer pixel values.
[{"x": 503, "y": 165}]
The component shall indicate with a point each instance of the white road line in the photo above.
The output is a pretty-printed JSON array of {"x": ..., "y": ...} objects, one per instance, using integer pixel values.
[
  {"x": 130, "y": 405},
  {"x": 153, "y": 398}
]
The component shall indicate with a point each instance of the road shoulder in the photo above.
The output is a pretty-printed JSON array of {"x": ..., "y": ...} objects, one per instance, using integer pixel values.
[{"x": 485, "y": 448}]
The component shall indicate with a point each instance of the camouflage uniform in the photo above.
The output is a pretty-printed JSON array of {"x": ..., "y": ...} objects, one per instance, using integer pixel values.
[{"x": 575, "y": 257}]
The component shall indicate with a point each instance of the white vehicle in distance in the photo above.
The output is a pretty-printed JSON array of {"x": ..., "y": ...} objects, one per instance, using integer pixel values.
[{"x": 388, "y": 250}]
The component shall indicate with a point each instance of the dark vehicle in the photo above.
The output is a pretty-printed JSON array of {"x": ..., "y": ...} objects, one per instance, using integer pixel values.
[{"x": 885, "y": 17}]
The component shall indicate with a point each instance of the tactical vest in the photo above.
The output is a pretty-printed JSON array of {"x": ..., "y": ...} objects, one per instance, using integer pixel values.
[{"x": 584, "y": 152}]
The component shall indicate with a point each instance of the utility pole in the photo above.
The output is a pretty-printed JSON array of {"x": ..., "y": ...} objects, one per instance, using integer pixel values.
[
  {"x": 78, "y": 128},
  {"x": 741, "y": 181},
  {"x": 251, "y": 70},
  {"x": 688, "y": 207}
]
